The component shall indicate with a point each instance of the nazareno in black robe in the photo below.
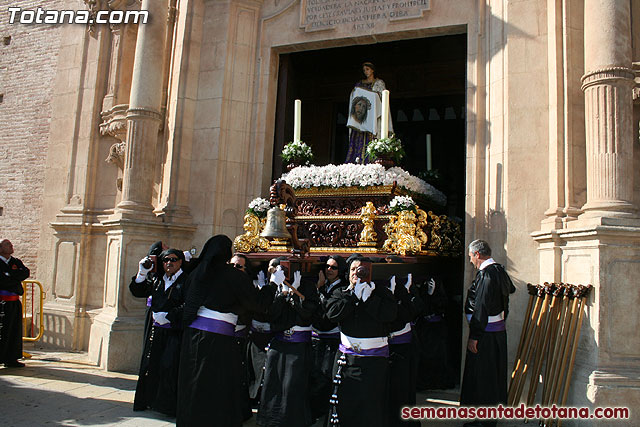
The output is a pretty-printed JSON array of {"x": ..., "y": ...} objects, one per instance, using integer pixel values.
[
  {"x": 157, "y": 386},
  {"x": 361, "y": 392},
  {"x": 258, "y": 341},
  {"x": 403, "y": 357},
  {"x": 484, "y": 381},
  {"x": 324, "y": 348},
  {"x": 209, "y": 391},
  {"x": 11, "y": 277},
  {"x": 434, "y": 370},
  {"x": 285, "y": 393}
]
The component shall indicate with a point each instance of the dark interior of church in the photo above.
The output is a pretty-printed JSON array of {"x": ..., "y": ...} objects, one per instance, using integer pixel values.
[{"x": 426, "y": 78}]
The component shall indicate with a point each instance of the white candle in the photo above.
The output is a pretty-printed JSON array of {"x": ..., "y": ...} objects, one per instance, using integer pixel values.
[
  {"x": 384, "y": 127},
  {"x": 297, "y": 117},
  {"x": 428, "y": 151}
]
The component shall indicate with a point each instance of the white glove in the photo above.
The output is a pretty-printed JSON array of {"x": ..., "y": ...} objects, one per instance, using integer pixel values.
[
  {"x": 297, "y": 278},
  {"x": 187, "y": 256},
  {"x": 366, "y": 291},
  {"x": 408, "y": 284},
  {"x": 392, "y": 284},
  {"x": 431, "y": 286},
  {"x": 262, "y": 279},
  {"x": 160, "y": 317},
  {"x": 277, "y": 276},
  {"x": 357, "y": 290},
  {"x": 142, "y": 271}
]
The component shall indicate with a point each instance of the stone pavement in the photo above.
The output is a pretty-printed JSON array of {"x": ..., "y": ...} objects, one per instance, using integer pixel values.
[{"x": 64, "y": 388}]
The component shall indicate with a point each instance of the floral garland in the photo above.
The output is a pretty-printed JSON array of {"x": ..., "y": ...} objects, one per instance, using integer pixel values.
[
  {"x": 354, "y": 175},
  {"x": 259, "y": 207},
  {"x": 402, "y": 203}
]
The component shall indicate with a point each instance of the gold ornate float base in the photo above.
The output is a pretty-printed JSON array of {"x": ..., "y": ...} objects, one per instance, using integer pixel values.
[{"x": 357, "y": 220}]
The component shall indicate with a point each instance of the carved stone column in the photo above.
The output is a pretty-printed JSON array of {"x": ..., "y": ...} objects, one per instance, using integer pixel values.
[
  {"x": 607, "y": 84},
  {"x": 143, "y": 116}
]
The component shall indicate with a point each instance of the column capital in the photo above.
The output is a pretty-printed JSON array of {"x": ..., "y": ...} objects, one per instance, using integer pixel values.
[
  {"x": 143, "y": 113},
  {"x": 610, "y": 75}
]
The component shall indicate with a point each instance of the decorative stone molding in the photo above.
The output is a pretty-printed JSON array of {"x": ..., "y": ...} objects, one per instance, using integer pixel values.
[
  {"x": 143, "y": 113},
  {"x": 114, "y": 122},
  {"x": 608, "y": 76},
  {"x": 116, "y": 154}
]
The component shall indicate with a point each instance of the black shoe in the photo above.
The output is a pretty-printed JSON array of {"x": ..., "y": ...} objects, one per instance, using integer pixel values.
[{"x": 14, "y": 364}]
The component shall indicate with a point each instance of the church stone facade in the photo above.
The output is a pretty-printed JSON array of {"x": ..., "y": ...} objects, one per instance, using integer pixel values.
[{"x": 115, "y": 136}]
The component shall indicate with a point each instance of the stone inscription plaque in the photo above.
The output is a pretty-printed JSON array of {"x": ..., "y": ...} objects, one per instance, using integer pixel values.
[{"x": 355, "y": 15}]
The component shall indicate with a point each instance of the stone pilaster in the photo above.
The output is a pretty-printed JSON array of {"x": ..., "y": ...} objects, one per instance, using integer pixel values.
[{"x": 607, "y": 84}]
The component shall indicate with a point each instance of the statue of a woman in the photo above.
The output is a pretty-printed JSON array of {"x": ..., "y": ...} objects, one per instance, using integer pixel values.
[{"x": 360, "y": 107}]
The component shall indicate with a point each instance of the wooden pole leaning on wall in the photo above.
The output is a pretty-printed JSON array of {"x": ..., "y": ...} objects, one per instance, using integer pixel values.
[
  {"x": 550, "y": 329},
  {"x": 584, "y": 294},
  {"x": 555, "y": 339},
  {"x": 559, "y": 379},
  {"x": 525, "y": 338},
  {"x": 521, "y": 376},
  {"x": 538, "y": 337}
]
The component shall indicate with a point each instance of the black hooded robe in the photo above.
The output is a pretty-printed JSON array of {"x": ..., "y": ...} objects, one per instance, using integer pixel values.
[{"x": 209, "y": 392}]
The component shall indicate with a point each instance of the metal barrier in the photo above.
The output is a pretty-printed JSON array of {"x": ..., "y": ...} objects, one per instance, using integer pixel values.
[{"x": 32, "y": 306}]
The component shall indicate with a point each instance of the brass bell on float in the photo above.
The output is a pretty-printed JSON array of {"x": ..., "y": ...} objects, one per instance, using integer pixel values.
[{"x": 276, "y": 225}]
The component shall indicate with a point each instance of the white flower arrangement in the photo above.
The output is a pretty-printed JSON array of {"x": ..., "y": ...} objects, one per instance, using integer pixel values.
[
  {"x": 402, "y": 203},
  {"x": 391, "y": 147},
  {"x": 297, "y": 151},
  {"x": 259, "y": 207},
  {"x": 355, "y": 175}
]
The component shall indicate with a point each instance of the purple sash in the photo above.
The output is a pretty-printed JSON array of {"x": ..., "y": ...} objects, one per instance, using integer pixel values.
[
  {"x": 379, "y": 352},
  {"x": 158, "y": 325},
  {"x": 149, "y": 302},
  {"x": 296, "y": 336},
  {"x": 214, "y": 325},
  {"x": 401, "y": 339},
  {"x": 326, "y": 335},
  {"x": 7, "y": 293},
  {"x": 496, "y": 326}
]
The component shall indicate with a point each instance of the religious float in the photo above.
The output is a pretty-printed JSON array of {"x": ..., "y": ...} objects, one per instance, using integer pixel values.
[{"x": 378, "y": 210}]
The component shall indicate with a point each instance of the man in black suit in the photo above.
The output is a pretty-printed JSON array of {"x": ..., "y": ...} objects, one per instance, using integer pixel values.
[{"x": 12, "y": 273}]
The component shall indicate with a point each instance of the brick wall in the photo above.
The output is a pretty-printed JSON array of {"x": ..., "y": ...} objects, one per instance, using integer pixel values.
[{"x": 27, "y": 71}]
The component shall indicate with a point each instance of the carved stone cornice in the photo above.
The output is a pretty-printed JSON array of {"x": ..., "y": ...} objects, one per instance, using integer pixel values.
[
  {"x": 610, "y": 75},
  {"x": 114, "y": 121}
]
